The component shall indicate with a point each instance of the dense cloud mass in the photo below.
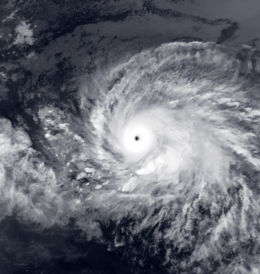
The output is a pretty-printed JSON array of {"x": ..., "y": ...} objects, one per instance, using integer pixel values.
[{"x": 165, "y": 168}]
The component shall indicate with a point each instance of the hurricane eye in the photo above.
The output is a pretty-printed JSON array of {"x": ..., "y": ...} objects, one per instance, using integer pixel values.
[{"x": 138, "y": 138}]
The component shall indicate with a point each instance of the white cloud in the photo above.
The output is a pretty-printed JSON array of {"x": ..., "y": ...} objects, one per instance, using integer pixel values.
[{"x": 24, "y": 34}]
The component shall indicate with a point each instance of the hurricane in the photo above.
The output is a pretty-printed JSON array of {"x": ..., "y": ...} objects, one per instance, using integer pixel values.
[{"x": 165, "y": 157}]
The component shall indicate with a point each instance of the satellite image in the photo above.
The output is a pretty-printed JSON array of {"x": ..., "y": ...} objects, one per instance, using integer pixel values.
[{"x": 129, "y": 137}]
